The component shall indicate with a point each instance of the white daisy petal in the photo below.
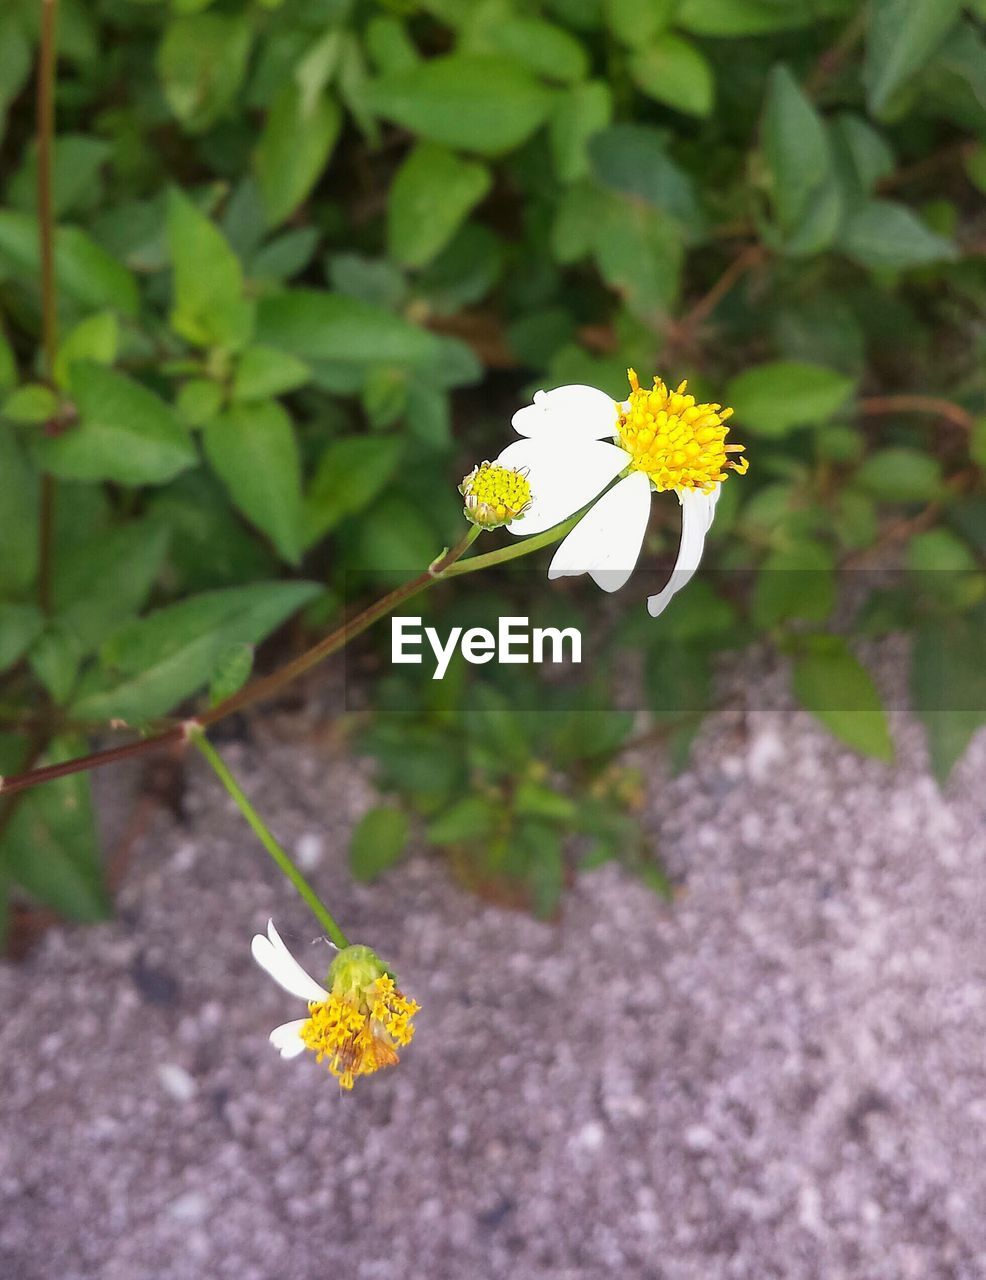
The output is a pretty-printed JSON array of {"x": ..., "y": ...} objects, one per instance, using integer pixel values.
[
  {"x": 697, "y": 513},
  {"x": 273, "y": 956},
  {"x": 572, "y": 412},
  {"x": 606, "y": 542},
  {"x": 287, "y": 1040},
  {"x": 562, "y": 479}
]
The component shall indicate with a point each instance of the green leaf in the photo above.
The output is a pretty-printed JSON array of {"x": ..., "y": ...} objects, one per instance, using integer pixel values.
[
  {"x": 871, "y": 157},
  {"x": 795, "y": 148},
  {"x": 534, "y": 800},
  {"x": 285, "y": 255},
  {"x": 483, "y": 104},
  {"x": 377, "y": 842},
  {"x": 264, "y": 371},
  {"x": 253, "y": 450},
  {"x": 8, "y": 365},
  {"x": 350, "y": 474},
  {"x": 578, "y": 114},
  {"x": 201, "y": 61},
  {"x": 740, "y": 17},
  {"x": 672, "y": 70},
  {"x": 900, "y": 475},
  {"x": 432, "y": 193},
  {"x": 100, "y": 582},
  {"x": 938, "y": 551},
  {"x": 388, "y": 44},
  {"x": 209, "y": 308},
  {"x": 330, "y": 326},
  {"x": 20, "y": 625},
  {"x": 902, "y": 36},
  {"x": 636, "y": 21},
  {"x": 884, "y": 234},
  {"x": 795, "y": 582},
  {"x": 96, "y": 338},
  {"x": 541, "y": 848},
  {"x": 632, "y": 159},
  {"x": 471, "y": 818},
  {"x": 948, "y": 686},
  {"x": 198, "y": 400},
  {"x": 75, "y": 179},
  {"x": 150, "y": 665},
  {"x": 544, "y": 47},
  {"x": 772, "y": 399},
  {"x": 50, "y": 847},
  {"x": 640, "y": 253},
  {"x": 32, "y": 402},
  {"x": 231, "y": 673},
  {"x": 84, "y": 271},
  {"x": 839, "y": 691},
  {"x": 126, "y": 433},
  {"x": 294, "y": 149}
]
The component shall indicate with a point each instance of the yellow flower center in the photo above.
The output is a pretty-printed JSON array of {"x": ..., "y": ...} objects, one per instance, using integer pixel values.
[
  {"x": 356, "y": 1033},
  {"x": 495, "y": 495},
  {"x": 677, "y": 443}
]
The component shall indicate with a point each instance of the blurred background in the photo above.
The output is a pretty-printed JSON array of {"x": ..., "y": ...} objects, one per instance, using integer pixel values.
[{"x": 696, "y": 928}]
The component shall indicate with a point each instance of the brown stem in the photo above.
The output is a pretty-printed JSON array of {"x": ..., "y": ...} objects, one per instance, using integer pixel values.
[
  {"x": 831, "y": 61},
  {"x": 743, "y": 262},
  {"x": 49, "y": 306},
  {"x": 917, "y": 404},
  {"x": 255, "y": 691}
]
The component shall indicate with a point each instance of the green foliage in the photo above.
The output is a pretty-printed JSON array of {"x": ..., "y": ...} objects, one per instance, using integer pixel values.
[
  {"x": 292, "y": 236},
  {"x": 839, "y": 691},
  {"x": 378, "y": 840}
]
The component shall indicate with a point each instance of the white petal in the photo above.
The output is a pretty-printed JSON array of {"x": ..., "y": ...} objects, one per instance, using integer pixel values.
[
  {"x": 287, "y": 1040},
  {"x": 271, "y": 954},
  {"x": 606, "y": 541},
  {"x": 572, "y": 412},
  {"x": 562, "y": 478},
  {"x": 697, "y": 512}
]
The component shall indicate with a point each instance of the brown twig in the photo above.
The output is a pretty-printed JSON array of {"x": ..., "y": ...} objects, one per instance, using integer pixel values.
[
  {"x": 256, "y": 691},
  {"x": 683, "y": 331},
  {"x": 831, "y": 61},
  {"x": 917, "y": 404}
]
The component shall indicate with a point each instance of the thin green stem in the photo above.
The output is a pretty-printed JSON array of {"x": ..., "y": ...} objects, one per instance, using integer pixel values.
[
  {"x": 518, "y": 549},
  {"x": 263, "y": 834}
]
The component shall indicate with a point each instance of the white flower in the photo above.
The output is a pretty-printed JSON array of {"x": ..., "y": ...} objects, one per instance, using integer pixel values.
[
  {"x": 273, "y": 956},
  {"x": 661, "y": 440},
  {"x": 356, "y": 1025}
]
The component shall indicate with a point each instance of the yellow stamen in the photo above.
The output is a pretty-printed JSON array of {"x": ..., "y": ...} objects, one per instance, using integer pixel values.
[
  {"x": 357, "y": 1027},
  {"x": 677, "y": 443},
  {"x": 495, "y": 495}
]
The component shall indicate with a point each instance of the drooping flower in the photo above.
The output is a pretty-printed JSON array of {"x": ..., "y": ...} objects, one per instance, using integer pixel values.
[
  {"x": 661, "y": 440},
  {"x": 356, "y": 1026}
]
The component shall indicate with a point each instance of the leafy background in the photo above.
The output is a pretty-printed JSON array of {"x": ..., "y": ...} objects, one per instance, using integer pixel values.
[{"x": 309, "y": 256}]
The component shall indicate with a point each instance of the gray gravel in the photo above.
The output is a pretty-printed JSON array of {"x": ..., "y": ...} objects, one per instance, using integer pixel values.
[{"x": 781, "y": 1076}]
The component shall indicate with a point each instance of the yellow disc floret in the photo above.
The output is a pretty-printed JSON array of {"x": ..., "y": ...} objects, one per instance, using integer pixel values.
[
  {"x": 677, "y": 443},
  {"x": 356, "y": 1027},
  {"x": 495, "y": 495}
]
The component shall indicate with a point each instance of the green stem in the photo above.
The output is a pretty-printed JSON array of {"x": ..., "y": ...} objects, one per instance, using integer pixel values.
[
  {"x": 280, "y": 856},
  {"x": 518, "y": 549}
]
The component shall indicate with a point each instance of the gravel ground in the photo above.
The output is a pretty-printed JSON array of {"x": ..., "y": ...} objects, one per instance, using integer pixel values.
[{"x": 781, "y": 1076}]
